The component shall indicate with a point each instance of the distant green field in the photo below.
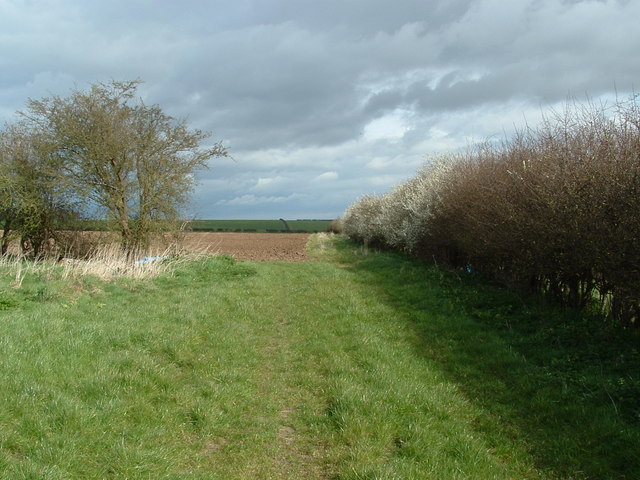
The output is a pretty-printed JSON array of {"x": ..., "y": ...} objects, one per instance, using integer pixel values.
[{"x": 260, "y": 226}]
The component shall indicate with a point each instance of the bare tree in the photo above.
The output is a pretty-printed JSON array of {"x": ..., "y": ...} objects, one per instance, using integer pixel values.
[{"x": 132, "y": 160}]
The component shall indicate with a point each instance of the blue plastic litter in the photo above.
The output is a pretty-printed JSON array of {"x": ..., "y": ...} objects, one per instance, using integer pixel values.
[{"x": 144, "y": 260}]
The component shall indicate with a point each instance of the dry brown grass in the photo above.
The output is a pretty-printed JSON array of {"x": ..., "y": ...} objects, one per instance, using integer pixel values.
[{"x": 106, "y": 262}]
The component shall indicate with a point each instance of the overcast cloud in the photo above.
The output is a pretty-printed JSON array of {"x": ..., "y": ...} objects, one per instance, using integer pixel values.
[{"x": 323, "y": 101}]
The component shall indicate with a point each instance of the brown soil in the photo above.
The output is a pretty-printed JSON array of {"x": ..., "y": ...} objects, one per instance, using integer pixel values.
[
  {"x": 251, "y": 246},
  {"x": 242, "y": 246}
]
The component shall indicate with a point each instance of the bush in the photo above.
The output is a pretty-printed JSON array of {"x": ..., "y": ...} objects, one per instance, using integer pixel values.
[
  {"x": 362, "y": 220},
  {"x": 554, "y": 209},
  {"x": 335, "y": 226}
]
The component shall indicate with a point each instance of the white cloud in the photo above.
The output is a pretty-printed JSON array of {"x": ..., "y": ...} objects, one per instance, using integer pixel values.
[
  {"x": 250, "y": 199},
  {"x": 391, "y": 126},
  {"x": 267, "y": 183},
  {"x": 327, "y": 176},
  {"x": 380, "y": 163}
]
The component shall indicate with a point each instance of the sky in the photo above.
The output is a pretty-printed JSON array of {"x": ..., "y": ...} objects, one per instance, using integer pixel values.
[{"x": 322, "y": 101}]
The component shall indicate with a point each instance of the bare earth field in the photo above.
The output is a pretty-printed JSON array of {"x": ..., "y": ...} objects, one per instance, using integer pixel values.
[
  {"x": 251, "y": 246},
  {"x": 241, "y": 246}
]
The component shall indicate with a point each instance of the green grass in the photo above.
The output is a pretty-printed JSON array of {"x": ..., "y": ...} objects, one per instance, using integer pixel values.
[
  {"x": 260, "y": 226},
  {"x": 358, "y": 366}
]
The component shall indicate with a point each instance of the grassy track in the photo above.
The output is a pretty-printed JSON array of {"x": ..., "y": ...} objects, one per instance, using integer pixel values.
[{"x": 354, "y": 367}]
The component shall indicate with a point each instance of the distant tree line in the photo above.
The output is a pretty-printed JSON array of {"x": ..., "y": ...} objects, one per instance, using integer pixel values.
[
  {"x": 555, "y": 209},
  {"x": 101, "y": 153}
]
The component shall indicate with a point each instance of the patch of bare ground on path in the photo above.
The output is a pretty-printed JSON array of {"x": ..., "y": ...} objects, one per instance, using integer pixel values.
[
  {"x": 296, "y": 454},
  {"x": 296, "y": 458},
  {"x": 290, "y": 247}
]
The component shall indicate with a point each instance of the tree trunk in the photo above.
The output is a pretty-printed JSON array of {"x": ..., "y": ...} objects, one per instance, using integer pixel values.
[{"x": 4, "y": 241}]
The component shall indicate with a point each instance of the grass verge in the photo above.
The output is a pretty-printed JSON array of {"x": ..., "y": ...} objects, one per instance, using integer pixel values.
[{"x": 357, "y": 366}]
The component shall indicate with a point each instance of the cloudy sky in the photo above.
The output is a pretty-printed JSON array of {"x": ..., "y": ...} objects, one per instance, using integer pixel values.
[{"x": 321, "y": 101}]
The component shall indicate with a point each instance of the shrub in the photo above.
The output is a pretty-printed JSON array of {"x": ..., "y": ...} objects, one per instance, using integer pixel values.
[
  {"x": 362, "y": 220},
  {"x": 554, "y": 209},
  {"x": 335, "y": 226}
]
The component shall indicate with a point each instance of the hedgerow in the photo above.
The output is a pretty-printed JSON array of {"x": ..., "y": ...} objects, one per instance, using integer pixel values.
[{"x": 554, "y": 209}]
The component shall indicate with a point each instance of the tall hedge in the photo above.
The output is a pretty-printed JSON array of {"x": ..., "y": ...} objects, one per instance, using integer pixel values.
[{"x": 554, "y": 209}]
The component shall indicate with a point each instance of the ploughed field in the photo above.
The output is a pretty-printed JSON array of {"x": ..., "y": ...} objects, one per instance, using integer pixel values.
[
  {"x": 250, "y": 246},
  {"x": 241, "y": 246}
]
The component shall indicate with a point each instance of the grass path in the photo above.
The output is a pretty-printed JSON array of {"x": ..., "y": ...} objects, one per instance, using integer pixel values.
[{"x": 330, "y": 369}]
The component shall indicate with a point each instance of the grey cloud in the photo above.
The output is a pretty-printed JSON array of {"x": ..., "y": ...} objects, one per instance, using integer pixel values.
[
  {"x": 291, "y": 86},
  {"x": 360, "y": 17}
]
